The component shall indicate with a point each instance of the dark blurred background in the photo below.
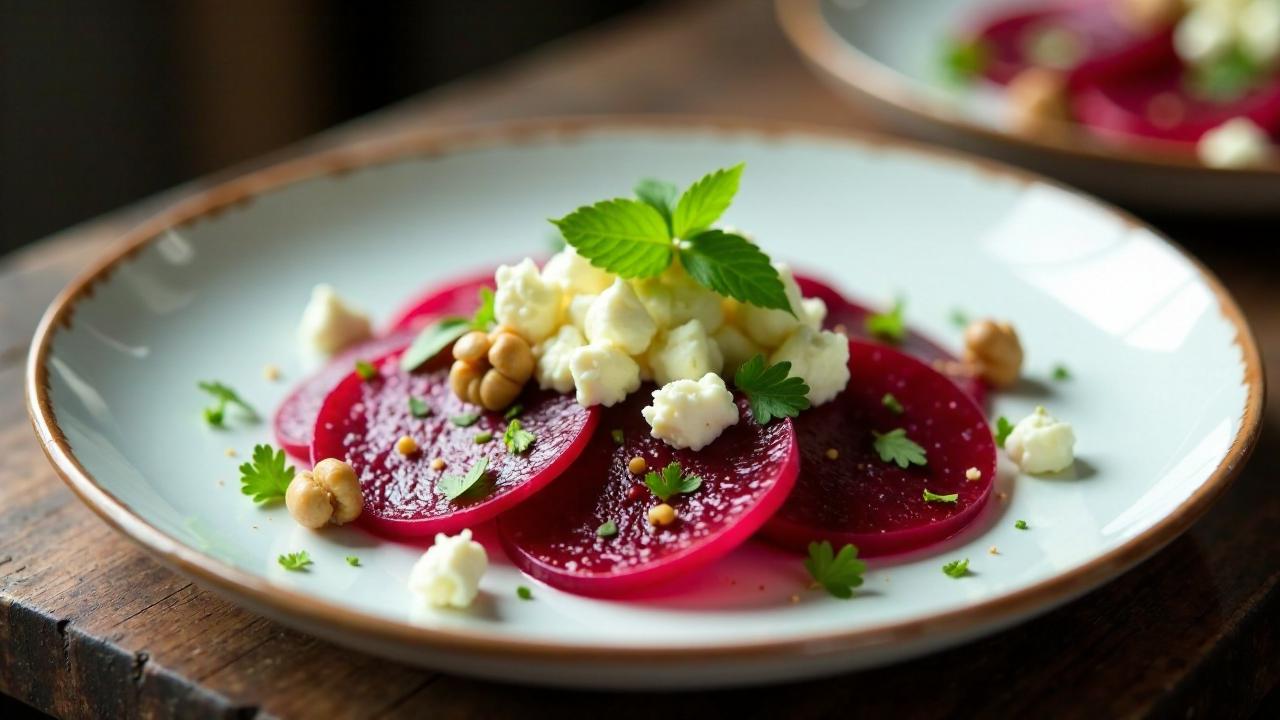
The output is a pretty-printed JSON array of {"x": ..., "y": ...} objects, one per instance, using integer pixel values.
[{"x": 102, "y": 103}]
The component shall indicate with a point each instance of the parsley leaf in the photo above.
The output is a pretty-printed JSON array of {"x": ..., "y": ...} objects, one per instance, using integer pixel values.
[
  {"x": 936, "y": 498},
  {"x": 608, "y": 528},
  {"x": 888, "y": 326},
  {"x": 513, "y": 412},
  {"x": 891, "y": 404},
  {"x": 770, "y": 391},
  {"x": 455, "y": 486},
  {"x": 626, "y": 237},
  {"x": 895, "y": 447},
  {"x": 964, "y": 60},
  {"x": 660, "y": 195},
  {"x": 617, "y": 436},
  {"x": 1061, "y": 373},
  {"x": 215, "y": 415},
  {"x": 298, "y": 561},
  {"x": 353, "y": 561},
  {"x": 524, "y": 593},
  {"x": 483, "y": 437},
  {"x": 516, "y": 438},
  {"x": 1021, "y": 525},
  {"x": 705, "y": 201},
  {"x": 435, "y": 337},
  {"x": 957, "y": 568},
  {"x": 959, "y": 318},
  {"x": 465, "y": 419},
  {"x": 266, "y": 478},
  {"x": 672, "y": 481},
  {"x": 418, "y": 407},
  {"x": 366, "y": 370},
  {"x": 733, "y": 266},
  {"x": 485, "y": 315},
  {"x": 838, "y": 573},
  {"x": 1003, "y": 428},
  {"x": 1225, "y": 78}
]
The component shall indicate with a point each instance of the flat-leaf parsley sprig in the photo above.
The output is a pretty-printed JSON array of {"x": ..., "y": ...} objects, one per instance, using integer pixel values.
[
  {"x": 223, "y": 396},
  {"x": 771, "y": 390},
  {"x": 839, "y": 572},
  {"x": 440, "y": 334},
  {"x": 640, "y": 238},
  {"x": 266, "y": 478},
  {"x": 672, "y": 481},
  {"x": 895, "y": 447}
]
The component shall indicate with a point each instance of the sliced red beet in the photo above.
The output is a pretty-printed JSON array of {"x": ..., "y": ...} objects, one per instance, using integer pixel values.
[
  {"x": 295, "y": 419},
  {"x": 1101, "y": 42},
  {"x": 746, "y": 474},
  {"x": 1158, "y": 105},
  {"x": 459, "y": 298},
  {"x": 362, "y": 420},
  {"x": 876, "y": 505}
]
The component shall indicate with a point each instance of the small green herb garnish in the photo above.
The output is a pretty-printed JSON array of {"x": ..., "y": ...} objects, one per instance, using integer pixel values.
[
  {"x": 1225, "y": 78},
  {"x": 1003, "y": 428},
  {"x": 957, "y": 568},
  {"x": 455, "y": 486},
  {"x": 672, "y": 481},
  {"x": 418, "y": 407},
  {"x": 1060, "y": 372},
  {"x": 485, "y": 316},
  {"x": 353, "y": 561},
  {"x": 608, "y": 528},
  {"x": 524, "y": 593},
  {"x": 465, "y": 419},
  {"x": 516, "y": 438},
  {"x": 1021, "y": 525},
  {"x": 513, "y": 412},
  {"x": 936, "y": 498},
  {"x": 266, "y": 478},
  {"x": 888, "y": 326},
  {"x": 638, "y": 239},
  {"x": 483, "y": 437},
  {"x": 770, "y": 391},
  {"x": 839, "y": 572},
  {"x": 964, "y": 60},
  {"x": 440, "y": 334},
  {"x": 617, "y": 436},
  {"x": 223, "y": 395},
  {"x": 891, "y": 404},
  {"x": 959, "y": 318},
  {"x": 895, "y": 447},
  {"x": 366, "y": 370},
  {"x": 297, "y": 561}
]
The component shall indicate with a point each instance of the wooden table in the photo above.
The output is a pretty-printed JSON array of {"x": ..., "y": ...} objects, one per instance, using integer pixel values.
[{"x": 91, "y": 626}]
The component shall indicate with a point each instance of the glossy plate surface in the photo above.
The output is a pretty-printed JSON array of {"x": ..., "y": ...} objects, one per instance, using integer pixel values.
[
  {"x": 1165, "y": 394},
  {"x": 886, "y": 54}
]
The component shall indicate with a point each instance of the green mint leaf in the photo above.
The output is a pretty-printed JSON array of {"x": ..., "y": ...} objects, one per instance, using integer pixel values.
[
  {"x": 936, "y": 498},
  {"x": 366, "y": 370},
  {"x": 524, "y": 593},
  {"x": 964, "y": 60},
  {"x": 888, "y": 326},
  {"x": 1021, "y": 525},
  {"x": 353, "y": 561},
  {"x": 895, "y": 447},
  {"x": 223, "y": 395},
  {"x": 1003, "y": 428},
  {"x": 418, "y": 407},
  {"x": 1061, "y": 373},
  {"x": 891, "y": 404},
  {"x": 671, "y": 482},
  {"x": 839, "y": 572},
  {"x": 465, "y": 419},
  {"x": 266, "y": 478},
  {"x": 513, "y": 412},
  {"x": 617, "y": 436},
  {"x": 297, "y": 561},
  {"x": 456, "y": 486},
  {"x": 483, "y": 437},
  {"x": 734, "y": 267},
  {"x": 608, "y": 528},
  {"x": 484, "y": 317},
  {"x": 705, "y": 201},
  {"x": 660, "y": 195},
  {"x": 516, "y": 438},
  {"x": 626, "y": 237},
  {"x": 431, "y": 340},
  {"x": 770, "y": 391},
  {"x": 956, "y": 568}
]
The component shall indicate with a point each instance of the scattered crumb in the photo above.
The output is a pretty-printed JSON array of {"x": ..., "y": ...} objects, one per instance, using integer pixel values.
[
  {"x": 795, "y": 599},
  {"x": 841, "y": 329},
  {"x": 271, "y": 372},
  {"x": 832, "y": 453},
  {"x": 993, "y": 550},
  {"x": 230, "y": 452},
  {"x": 255, "y": 527},
  {"x": 973, "y": 474},
  {"x": 437, "y": 464},
  {"x": 221, "y": 483},
  {"x": 1002, "y": 496}
]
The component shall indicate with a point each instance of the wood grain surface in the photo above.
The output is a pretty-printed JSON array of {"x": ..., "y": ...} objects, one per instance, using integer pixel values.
[{"x": 90, "y": 626}]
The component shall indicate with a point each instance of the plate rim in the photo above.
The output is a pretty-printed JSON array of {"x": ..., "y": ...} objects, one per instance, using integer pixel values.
[
  {"x": 258, "y": 592},
  {"x": 823, "y": 49}
]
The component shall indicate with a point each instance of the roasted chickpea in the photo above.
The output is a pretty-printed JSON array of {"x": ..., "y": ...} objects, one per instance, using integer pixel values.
[
  {"x": 471, "y": 347},
  {"x": 329, "y": 493},
  {"x": 660, "y": 515},
  {"x": 511, "y": 355},
  {"x": 462, "y": 375},
  {"x": 497, "y": 391},
  {"x": 994, "y": 352},
  {"x": 1037, "y": 100}
]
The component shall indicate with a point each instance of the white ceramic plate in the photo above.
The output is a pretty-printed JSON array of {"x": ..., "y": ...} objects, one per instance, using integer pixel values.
[
  {"x": 1165, "y": 395},
  {"x": 885, "y": 54}
]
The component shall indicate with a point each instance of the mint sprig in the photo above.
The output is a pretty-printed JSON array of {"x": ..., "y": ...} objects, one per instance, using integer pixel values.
[
  {"x": 734, "y": 267},
  {"x": 626, "y": 237},
  {"x": 705, "y": 201},
  {"x": 660, "y": 195}
]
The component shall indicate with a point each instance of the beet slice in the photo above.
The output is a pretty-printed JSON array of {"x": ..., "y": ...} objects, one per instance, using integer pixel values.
[
  {"x": 1158, "y": 105},
  {"x": 746, "y": 474},
  {"x": 859, "y": 498},
  {"x": 295, "y": 419},
  {"x": 460, "y": 298},
  {"x": 1105, "y": 44},
  {"x": 361, "y": 421}
]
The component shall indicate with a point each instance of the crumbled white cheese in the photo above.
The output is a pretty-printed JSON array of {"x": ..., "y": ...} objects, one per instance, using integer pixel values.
[
  {"x": 1237, "y": 143},
  {"x": 574, "y": 274},
  {"x": 448, "y": 574},
  {"x": 691, "y": 301},
  {"x": 577, "y": 311},
  {"x": 691, "y": 413},
  {"x": 329, "y": 324},
  {"x": 655, "y": 295},
  {"x": 1207, "y": 32},
  {"x": 684, "y": 353},
  {"x": 1258, "y": 29},
  {"x": 617, "y": 317},
  {"x": 1040, "y": 443},
  {"x": 735, "y": 347},
  {"x": 603, "y": 374},
  {"x": 820, "y": 357},
  {"x": 813, "y": 311},
  {"x": 524, "y": 302},
  {"x": 553, "y": 354},
  {"x": 771, "y": 327}
]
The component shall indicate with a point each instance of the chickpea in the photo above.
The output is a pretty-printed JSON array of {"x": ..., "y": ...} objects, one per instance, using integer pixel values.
[
  {"x": 993, "y": 350},
  {"x": 637, "y": 465},
  {"x": 511, "y": 355},
  {"x": 471, "y": 347},
  {"x": 661, "y": 515},
  {"x": 461, "y": 376},
  {"x": 406, "y": 445},
  {"x": 1037, "y": 100},
  {"x": 497, "y": 391},
  {"x": 329, "y": 493}
]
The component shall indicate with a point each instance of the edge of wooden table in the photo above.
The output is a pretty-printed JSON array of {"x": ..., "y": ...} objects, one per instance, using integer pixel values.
[{"x": 235, "y": 582}]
